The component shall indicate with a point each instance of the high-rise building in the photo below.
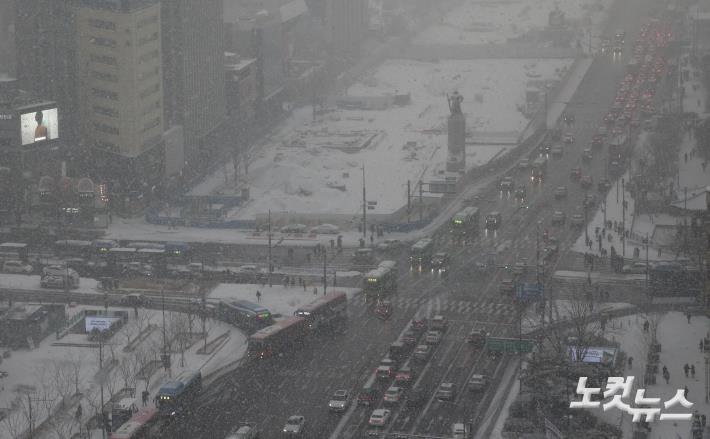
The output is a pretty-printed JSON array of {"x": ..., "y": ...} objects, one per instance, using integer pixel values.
[
  {"x": 193, "y": 63},
  {"x": 346, "y": 24},
  {"x": 119, "y": 68},
  {"x": 45, "y": 42}
]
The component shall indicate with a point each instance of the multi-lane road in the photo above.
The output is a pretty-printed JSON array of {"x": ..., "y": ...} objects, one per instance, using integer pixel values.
[{"x": 302, "y": 383}]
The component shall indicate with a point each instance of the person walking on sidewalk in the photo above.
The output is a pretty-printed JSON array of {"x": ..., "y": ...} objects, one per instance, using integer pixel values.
[
  {"x": 687, "y": 314},
  {"x": 686, "y": 369},
  {"x": 631, "y": 362},
  {"x": 692, "y": 371}
]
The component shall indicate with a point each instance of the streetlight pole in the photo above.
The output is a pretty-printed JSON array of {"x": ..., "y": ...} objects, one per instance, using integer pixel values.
[
  {"x": 269, "y": 255},
  {"x": 364, "y": 206},
  {"x": 647, "y": 244},
  {"x": 623, "y": 218}
]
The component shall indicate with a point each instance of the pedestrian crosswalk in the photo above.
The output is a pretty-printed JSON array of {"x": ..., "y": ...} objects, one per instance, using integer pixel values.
[{"x": 449, "y": 306}]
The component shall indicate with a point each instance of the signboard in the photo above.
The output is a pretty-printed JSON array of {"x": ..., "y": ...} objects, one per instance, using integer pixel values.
[
  {"x": 529, "y": 291},
  {"x": 513, "y": 345},
  {"x": 100, "y": 323},
  {"x": 593, "y": 355},
  {"x": 39, "y": 124}
]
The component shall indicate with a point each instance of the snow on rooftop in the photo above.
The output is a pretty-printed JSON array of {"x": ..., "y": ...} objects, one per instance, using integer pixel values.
[{"x": 316, "y": 166}]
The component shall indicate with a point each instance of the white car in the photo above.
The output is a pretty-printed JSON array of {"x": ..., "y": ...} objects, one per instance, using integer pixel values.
[
  {"x": 340, "y": 401},
  {"x": 477, "y": 382},
  {"x": 249, "y": 269},
  {"x": 379, "y": 417},
  {"x": 433, "y": 337},
  {"x": 17, "y": 267},
  {"x": 446, "y": 392},
  {"x": 326, "y": 229},
  {"x": 393, "y": 395},
  {"x": 389, "y": 244},
  {"x": 294, "y": 426}
]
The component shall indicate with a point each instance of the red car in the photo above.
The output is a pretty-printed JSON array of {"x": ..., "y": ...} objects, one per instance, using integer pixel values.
[
  {"x": 576, "y": 173},
  {"x": 404, "y": 376}
]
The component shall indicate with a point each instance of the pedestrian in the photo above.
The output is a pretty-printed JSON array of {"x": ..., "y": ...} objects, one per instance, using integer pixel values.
[
  {"x": 304, "y": 285},
  {"x": 659, "y": 252},
  {"x": 686, "y": 157},
  {"x": 372, "y": 239},
  {"x": 144, "y": 397},
  {"x": 685, "y": 392},
  {"x": 686, "y": 369},
  {"x": 631, "y": 362},
  {"x": 667, "y": 377},
  {"x": 258, "y": 296},
  {"x": 665, "y": 370},
  {"x": 315, "y": 291},
  {"x": 589, "y": 278},
  {"x": 78, "y": 413},
  {"x": 645, "y": 329},
  {"x": 692, "y": 371},
  {"x": 687, "y": 314},
  {"x": 701, "y": 345},
  {"x": 703, "y": 420}
]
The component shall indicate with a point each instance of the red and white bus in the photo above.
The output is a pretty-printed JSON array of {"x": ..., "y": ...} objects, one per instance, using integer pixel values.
[
  {"x": 278, "y": 338},
  {"x": 327, "y": 311},
  {"x": 137, "y": 427}
]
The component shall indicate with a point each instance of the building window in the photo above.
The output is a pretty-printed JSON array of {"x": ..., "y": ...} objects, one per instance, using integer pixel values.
[
  {"x": 104, "y": 128},
  {"x": 104, "y": 42},
  {"x": 148, "y": 20},
  {"x": 102, "y": 24},
  {"x": 104, "y": 76},
  {"x": 149, "y": 74},
  {"x": 101, "y": 59},
  {"x": 153, "y": 54},
  {"x": 150, "y": 90},
  {"x": 145, "y": 40},
  {"x": 105, "y": 111},
  {"x": 151, "y": 124},
  {"x": 104, "y": 94}
]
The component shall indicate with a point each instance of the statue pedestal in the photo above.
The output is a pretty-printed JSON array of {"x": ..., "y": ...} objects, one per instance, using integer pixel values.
[{"x": 456, "y": 154}]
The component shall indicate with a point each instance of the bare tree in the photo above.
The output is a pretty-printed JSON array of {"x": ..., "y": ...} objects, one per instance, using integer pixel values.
[
  {"x": 75, "y": 364},
  {"x": 129, "y": 330},
  {"x": 16, "y": 423},
  {"x": 142, "y": 360},
  {"x": 586, "y": 329},
  {"x": 128, "y": 367},
  {"x": 62, "y": 425},
  {"x": 62, "y": 381}
]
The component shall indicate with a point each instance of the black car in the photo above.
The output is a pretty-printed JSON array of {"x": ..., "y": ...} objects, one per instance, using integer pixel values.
[
  {"x": 569, "y": 118},
  {"x": 440, "y": 263},
  {"x": 521, "y": 192},
  {"x": 545, "y": 148}
]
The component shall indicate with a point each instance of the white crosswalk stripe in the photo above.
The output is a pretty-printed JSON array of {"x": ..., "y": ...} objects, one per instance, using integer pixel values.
[{"x": 439, "y": 305}]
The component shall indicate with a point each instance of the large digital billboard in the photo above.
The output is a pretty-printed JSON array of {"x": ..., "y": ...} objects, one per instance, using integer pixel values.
[{"x": 38, "y": 125}]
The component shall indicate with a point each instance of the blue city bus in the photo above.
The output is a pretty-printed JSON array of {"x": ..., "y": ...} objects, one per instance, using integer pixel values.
[
  {"x": 175, "y": 397},
  {"x": 244, "y": 314}
]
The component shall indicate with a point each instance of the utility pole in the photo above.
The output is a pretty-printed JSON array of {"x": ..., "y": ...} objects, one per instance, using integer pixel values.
[
  {"x": 165, "y": 357},
  {"x": 409, "y": 198},
  {"x": 623, "y": 218},
  {"x": 421, "y": 201},
  {"x": 103, "y": 376},
  {"x": 364, "y": 206},
  {"x": 325, "y": 275},
  {"x": 269, "y": 256},
  {"x": 586, "y": 225}
]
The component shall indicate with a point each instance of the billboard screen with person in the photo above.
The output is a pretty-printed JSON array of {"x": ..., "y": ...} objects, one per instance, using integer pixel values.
[{"x": 38, "y": 125}]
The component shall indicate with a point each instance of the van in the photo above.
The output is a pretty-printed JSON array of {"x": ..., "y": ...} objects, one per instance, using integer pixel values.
[{"x": 367, "y": 396}]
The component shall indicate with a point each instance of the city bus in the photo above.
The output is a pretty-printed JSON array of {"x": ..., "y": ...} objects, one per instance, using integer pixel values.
[
  {"x": 71, "y": 248},
  {"x": 102, "y": 246},
  {"x": 538, "y": 169},
  {"x": 175, "y": 396},
  {"x": 156, "y": 258},
  {"x": 137, "y": 426},
  {"x": 464, "y": 225},
  {"x": 244, "y": 314},
  {"x": 277, "y": 339},
  {"x": 381, "y": 281},
  {"x": 420, "y": 255},
  {"x": 328, "y": 311},
  {"x": 14, "y": 250}
]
